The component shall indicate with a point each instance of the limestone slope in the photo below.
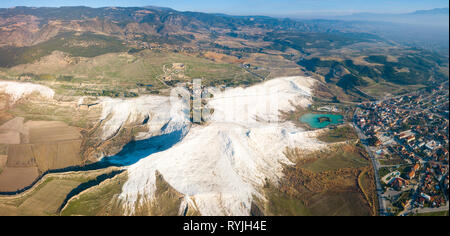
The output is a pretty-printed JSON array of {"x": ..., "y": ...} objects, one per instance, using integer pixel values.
[{"x": 221, "y": 166}]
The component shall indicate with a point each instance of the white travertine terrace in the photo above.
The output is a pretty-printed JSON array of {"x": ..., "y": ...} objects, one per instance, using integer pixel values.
[
  {"x": 18, "y": 90},
  {"x": 221, "y": 166}
]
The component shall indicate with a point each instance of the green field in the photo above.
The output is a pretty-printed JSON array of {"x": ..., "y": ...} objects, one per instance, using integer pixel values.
[
  {"x": 46, "y": 197},
  {"x": 339, "y": 134},
  {"x": 52, "y": 112},
  {"x": 125, "y": 75},
  {"x": 77, "y": 45},
  {"x": 330, "y": 182},
  {"x": 392, "y": 161},
  {"x": 341, "y": 158},
  {"x": 100, "y": 200},
  {"x": 339, "y": 203},
  {"x": 280, "y": 204},
  {"x": 103, "y": 200}
]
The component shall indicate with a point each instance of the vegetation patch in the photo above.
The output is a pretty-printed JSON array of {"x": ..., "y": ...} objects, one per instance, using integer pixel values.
[
  {"x": 46, "y": 197},
  {"x": 98, "y": 199},
  {"x": 325, "y": 183},
  {"x": 3, "y": 149},
  {"x": 338, "y": 134},
  {"x": 53, "y": 112},
  {"x": 282, "y": 204},
  {"x": 166, "y": 202},
  {"x": 130, "y": 75},
  {"x": 84, "y": 45},
  {"x": 341, "y": 156}
]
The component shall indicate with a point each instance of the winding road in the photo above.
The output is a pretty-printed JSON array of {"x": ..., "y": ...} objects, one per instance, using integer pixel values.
[{"x": 381, "y": 200}]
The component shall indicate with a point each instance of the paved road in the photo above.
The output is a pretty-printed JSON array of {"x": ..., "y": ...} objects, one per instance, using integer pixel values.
[
  {"x": 255, "y": 74},
  {"x": 426, "y": 210},
  {"x": 381, "y": 199},
  {"x": 429, "y": 210}
]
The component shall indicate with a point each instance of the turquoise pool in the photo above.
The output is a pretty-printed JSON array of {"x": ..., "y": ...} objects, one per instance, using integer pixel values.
[{"x": 313, "y": 120}]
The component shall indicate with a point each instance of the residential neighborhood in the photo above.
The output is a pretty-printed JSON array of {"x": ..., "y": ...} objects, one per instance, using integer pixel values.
[{"x": 408, "y": 137}]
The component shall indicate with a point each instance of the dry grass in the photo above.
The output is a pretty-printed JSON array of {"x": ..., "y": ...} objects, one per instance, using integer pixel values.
[
  {"x": 121, "y": 72},
  {"x": 218, "y": 57},
  {"x": 48, "y": 199},
  {"x": 98, "y": 200},
  {"x": 64, "y": 114},
  {"x": 3, "y": 149},
  {"x": 339, "y": 134},
  {"x": 20, "y": 155},
  {"x": 3, "y": 159},
  {"x": 51, "y": 131},
  {"x": 47, "y": 196},
  {"x": 167, "y": 201},
  {"x": 324, "y": 182},
  {"x": 4, "y": 117},
  {"x": 45, "y": 145},
  {"x": 57, "y": 155},
  {"x": 10, "y": 131},
  {"x": 366, "y": 182}
]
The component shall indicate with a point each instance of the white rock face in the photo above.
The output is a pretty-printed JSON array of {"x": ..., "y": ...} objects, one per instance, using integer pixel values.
[
  {"x": 18, "y": 90},
  {"x": 223, "y": 165},
  {"x": 162, "y": 114},
  {"x": 260, "y": 103}
]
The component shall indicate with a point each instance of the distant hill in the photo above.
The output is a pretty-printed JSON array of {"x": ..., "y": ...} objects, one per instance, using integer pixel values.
[
  {"x": 25, "y": 26},
  {"x": 433, "y": 17},
  {"x": 423, "y": 28},
  {"x": 332, "y": 48},
  {"x": 444, "y": 11}
]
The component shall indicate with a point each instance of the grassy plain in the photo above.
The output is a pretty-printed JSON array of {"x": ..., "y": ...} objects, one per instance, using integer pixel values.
[
  {"x": 338, "y": 134},
  {"x": 98, "y": 200},
  {"x": 47, "y": 196},
  {"x": 337, "y": 181},
  {"x": 342, "y": 157},
  {"x": 103, "y": 200},
  {"x": 124, "y": 74},
  {"x": 282, "y": 204}
]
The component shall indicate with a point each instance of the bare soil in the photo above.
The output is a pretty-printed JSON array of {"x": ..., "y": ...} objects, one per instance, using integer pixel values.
[
  {"x": 34, "y": 148},
  {"x": 57, "y": 155},
  {"x": 3, "y": 159},
  {"x": 16, "y": 178},
  {"x": 20, "y": 155},
  {"x": 51, "y": 131},
  {"x": 10, "y": 131}
]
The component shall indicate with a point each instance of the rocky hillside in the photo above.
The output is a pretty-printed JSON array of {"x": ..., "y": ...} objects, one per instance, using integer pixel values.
[
  {"x": 24, "y": 26},
  {"x": 339, "y": 53}
]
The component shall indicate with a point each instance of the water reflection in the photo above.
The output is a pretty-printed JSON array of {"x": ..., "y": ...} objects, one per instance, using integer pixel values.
[{"x": 137, "y": 150}]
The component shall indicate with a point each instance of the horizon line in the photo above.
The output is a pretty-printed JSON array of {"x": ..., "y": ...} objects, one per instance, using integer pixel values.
[{"x": 310, "y": 13}]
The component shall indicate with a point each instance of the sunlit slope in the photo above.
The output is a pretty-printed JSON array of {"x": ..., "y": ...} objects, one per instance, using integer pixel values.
[
  {"x": 221, "y": 166},
  {"x": 114, "y": 74}
]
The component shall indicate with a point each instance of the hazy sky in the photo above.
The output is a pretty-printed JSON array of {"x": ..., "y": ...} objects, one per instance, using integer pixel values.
[{"x": 263, "y": 7}]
